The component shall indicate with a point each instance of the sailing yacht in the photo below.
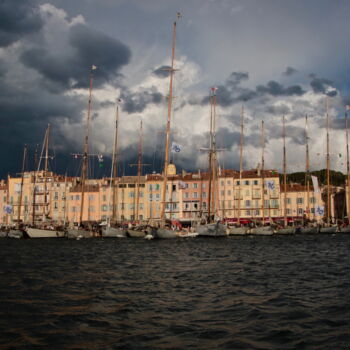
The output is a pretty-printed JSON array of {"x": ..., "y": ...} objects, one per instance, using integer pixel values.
[
  {"x": 213, "y": 227},
  {"x": 82, "y": 231},
  {"x": 45, "y": 229},
  {"x": 109, "y": 230}
]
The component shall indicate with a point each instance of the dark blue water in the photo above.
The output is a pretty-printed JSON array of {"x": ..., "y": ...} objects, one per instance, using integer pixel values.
[{"x": 229, "y": 293}]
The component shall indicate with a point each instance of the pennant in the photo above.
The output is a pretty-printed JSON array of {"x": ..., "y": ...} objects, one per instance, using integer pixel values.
[
  {"x": 8, "y": 209},
  {"x": 175, "y": 148},
  {"x": 319, "y": 210},
  {"x": 315, "y": 184},
  {"x": 270, "y": 184}
]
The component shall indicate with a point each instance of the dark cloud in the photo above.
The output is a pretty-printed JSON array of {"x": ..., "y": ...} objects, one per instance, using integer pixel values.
[
  {"x": 276, "y": 89},
  {"x": 278, "y": 110},
  {"x": 289, "y": 71},
  {"x": 136, "y": 102},
  {"x": 237, "y": 77},
  {"x": 162, "y": 72},
  {"x": 321, "y": 85},
  {"x": 295, "y": 133},
  {"x": 18, "y": 18},
  {"x": 70, "y": 69}
]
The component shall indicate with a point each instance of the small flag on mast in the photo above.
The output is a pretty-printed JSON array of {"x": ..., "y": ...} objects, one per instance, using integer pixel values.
[
  {"x": 175, "y": 148},
  {"x": 93, "y": 67}
]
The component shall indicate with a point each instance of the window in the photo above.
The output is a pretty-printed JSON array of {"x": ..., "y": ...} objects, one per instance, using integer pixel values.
[
  {"x": 204, "y": 205},
  {"x": 247, "y": 212},
  {"x": 187, "y": 205},
  {"x": 300, "y": 211},
  {"x": 299, "y": 200},
  {"x": 131, "y": 206},
  {"x": 246, "y": 182},
  {"x": 229, "y": 182},
  {"x": 312, "y": 200},
  {"x": 150, "y": 187},
  {"x": 56, "y": 196},
  {"x": 257, "y": 212},
  {"x": 266, "y": 203},
  {"x": 229, "y": 204},
  {"x": 174, "y": 188},
  {"x": 237, "y": 183},
  {"x": 55, "y": 205},
  {"x": 195, "y": 205},
  {"x": 186, "y": 194},
  {"x": 91, "y": 209},
  {"x": 247, "y": 203},
  {"x": 288, "y": 201},
  {"x": 222, "y": 193},
  {"x": 195, "y": 194},
  {"x": 77, "y": 197},
  {"x": 203, "y": 185},
  {"x": 73, "y": 209},
  {"x": 288, "y": 211},
  {"x": 229, "y": 192},
  {"x": 141, "y": 206},
  {"x": 195, "y": 185},
  {"x": 157, "y": 187},
  {"x": 150, "y": 197},
  {"x": 313, "y": 210},
  {"x": 91, "y": 197},
  {"x": 141, "y": 194},
  {"x": 104, "y": 207},
  {"x": 204, "y": 195},
  {"x": 157, "y": 195},
  {"x": 131, "y": 194},
  {"x": 256, "y": 182}
]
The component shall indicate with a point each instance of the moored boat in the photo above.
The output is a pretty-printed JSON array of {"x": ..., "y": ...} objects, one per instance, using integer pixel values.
[
  {"x": 329, "y": 229},
  {"x": 285, "y": 231},
  {"x": 113, "y": 232},
  {"x": 262, "y": 231},
  {"x": 238, "y": 231},
  {"x": 34, "y": 232},
  {"x": 77, "y": 233},
  {"x": 308, "y": 230},
  {"x": 345, "y": 229},
  {"x": 212, "y": 230},
  {"x": 15, "y": 233},
  {"x": 136, "y": 233}
]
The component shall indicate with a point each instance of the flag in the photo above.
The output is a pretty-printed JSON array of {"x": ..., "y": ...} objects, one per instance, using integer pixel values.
[
  {"x": 270, "y": 184},
  {"x": 100, "y": 160},
  {"x": 175, "y": 148},
  {"x": 315, "y": 184},
  {"x": 93, "y": 67},
  {"x": 319, "y": 210},
  {"x": 213, "y": 89},
  {"x": 8, "y": 209},
  {"x": 182, "y": 184}
]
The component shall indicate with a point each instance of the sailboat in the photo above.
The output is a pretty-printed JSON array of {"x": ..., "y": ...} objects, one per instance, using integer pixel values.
[
  {"x": 239, "y": 229},
  {"x": 45, "y": 229},
  {"x": 165, "y": 231},
  {"x": 262, "y": 230},
  {"x": 80, "y": 231},
  {"x": 307, "y": 229},
  {"x": 18, "y": 231},
  {"x": 213, "y": 227},
  {"x": 109, "y": 230},
  {"x": 285, "y": 230},
  {"x": 346, "y": 229},
  {"x": 328, "y": 228}
]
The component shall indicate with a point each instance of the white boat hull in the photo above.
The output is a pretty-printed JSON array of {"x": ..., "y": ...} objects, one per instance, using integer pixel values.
[
  {"x": 75, "y": 233},
  {"x": 212, "y": 230},
  {"x": 165, "y": 233},
  {"x": 136, "y": 233},
  {"x": 110, "y": 232},
  {"x": 44, "y": 233},
  {"x": 15, "y": 234},
  {"x": 237, "y": 231},
  {"x": 262, "y": 231}
]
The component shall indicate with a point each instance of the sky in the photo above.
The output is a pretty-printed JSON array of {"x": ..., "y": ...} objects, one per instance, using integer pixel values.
[{"x": 274, "y": 58}]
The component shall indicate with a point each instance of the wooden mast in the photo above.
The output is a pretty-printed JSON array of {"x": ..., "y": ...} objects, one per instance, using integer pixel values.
[
  {"x": 84, "y": 172},
  {"x": 262, "y": 171},
  {"x": 167, "y": 133},
  {"x": 214, "y": 168},
  {"x": 22, "y": 181},
  {"x": 328, "y": 169},
  {"x": 284, "y": 171},
  {"x": 139, "y": 169},
  {"x": 347, "y": 163},
  {"x": 240, "y": 166},
  {"x": 114, "y": 172},
  {"x": 46, "y": 167},
  {"x": 210, "y": 155},
  {"x": 307, "y": 170}
]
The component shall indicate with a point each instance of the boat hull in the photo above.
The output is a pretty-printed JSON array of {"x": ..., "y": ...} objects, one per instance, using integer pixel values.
[
  {"x": 136, "y": 233},
  {"x": 113, "y": 232},
  {"x": 44, "y": 233},
  {"x": 262, "y": 231},
  {"x": 331, "y": 229},
  {"x": 286, "y": 231},
  {"x": 77, "y": 234},
  {"x": 165, "y": 233},
  {"x": 307, "y": 230},
  {"x": 237, "y": 231},
  {"x": 15, "y": 234},
  {"x": 345, "y": 229},
  {"x": 212, "y": 230}
]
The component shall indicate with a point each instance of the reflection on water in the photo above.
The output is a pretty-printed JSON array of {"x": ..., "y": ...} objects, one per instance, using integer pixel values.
[{"x": 228, "y": 293}]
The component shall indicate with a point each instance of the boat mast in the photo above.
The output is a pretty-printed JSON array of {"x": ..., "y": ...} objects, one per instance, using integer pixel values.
[
  {"x": 262, "y": 171},
  {"x": 65, "y": 200},
  {"x": 210, "y": 154},
  {"x": 139, "y": 168},
  {"x": 46, "y": 167},
  {"x": 328, "y": 169},
  {"x": 22, "y": 181},
  {"x": 84, "y": 171},
  {"x": 113, "y": 185},
  {"x": 214, "y": 168},
  {"x": 347, "y": 161},
  {"x": 167, "y": 133},
  {"x": 307, "y": 170},
  {"x": 284, "y": 171},
  {"x": 240, "y": 167}
]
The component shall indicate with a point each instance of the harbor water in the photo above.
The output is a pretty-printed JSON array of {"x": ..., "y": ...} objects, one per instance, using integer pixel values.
[{"x": 227, "y": 293}]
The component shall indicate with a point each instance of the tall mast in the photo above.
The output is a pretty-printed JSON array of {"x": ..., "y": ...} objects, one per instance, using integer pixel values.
[
  {"x": 210, "y": 157},
  {"x": 84, "y": 171},
  {"x": 328, "y": 170},
  {"x": 284, "y": 170},
  {"x": 167, "y": 133},
  {"x": 214, "y": 169},
  {"x": 139, "y": 168},
  {"x": 240, "y": 166},
  {"x": 114, "y": 170},
  {"x": 347, "y": 161},
  {"x": 307, "y": 170},
  {"x": 262, "y": 170},
  {"x": 22, "y": 181},
  {"x": 46, "y": 167}
]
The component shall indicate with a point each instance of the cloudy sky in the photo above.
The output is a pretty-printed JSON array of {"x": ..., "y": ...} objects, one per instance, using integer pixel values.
[{"x": 273, "y": 57}]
